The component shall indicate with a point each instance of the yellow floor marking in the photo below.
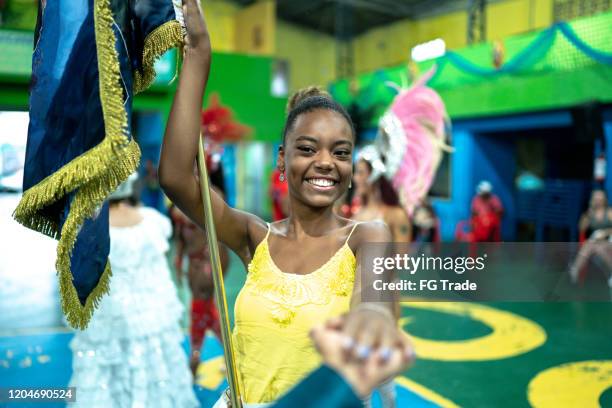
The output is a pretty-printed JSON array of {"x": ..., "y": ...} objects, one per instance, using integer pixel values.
[
  {"x": 511, "y": 335},
  {"x": 578, "y": 384},
  {"x": 209, "y": 374},
  {"x": 424, "y": 392}
]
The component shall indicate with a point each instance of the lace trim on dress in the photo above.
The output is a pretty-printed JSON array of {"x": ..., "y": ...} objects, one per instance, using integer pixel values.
[{"x": 288, "y": 291}]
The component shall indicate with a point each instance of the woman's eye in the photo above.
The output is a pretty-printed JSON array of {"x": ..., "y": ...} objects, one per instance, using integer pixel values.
[
  {"x": 343, "y": 153},
  {"x": 306, "y": 149}
]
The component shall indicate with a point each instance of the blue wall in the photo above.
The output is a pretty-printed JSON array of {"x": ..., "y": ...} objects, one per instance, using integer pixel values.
[
  {"x": 479, "y": 155},
  {"x": 457, "y": 208},
  {"x": 607, "y": 118},
  {"x": 495, "y": 161}
]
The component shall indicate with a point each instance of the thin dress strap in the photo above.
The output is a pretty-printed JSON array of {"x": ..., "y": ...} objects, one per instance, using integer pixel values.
[
  {"x": 268, "y": 233},
  {"x": 351, "y": 233}
]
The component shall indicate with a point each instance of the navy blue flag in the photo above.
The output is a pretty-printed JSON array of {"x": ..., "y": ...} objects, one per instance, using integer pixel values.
[{"x": 90, "y": 57}]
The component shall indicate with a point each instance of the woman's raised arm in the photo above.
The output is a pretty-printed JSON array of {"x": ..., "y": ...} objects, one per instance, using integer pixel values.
[{"x": 180, "y": 145}]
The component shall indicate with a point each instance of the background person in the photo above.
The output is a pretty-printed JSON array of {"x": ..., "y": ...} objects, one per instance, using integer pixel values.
[
  {"x": 131, "y": 352},
  {"x": 596, "y": 226},
  {"x": 487, "y": 211}
]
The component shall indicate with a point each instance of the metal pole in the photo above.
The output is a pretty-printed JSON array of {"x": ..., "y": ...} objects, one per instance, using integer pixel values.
[{"x": 217, "y": 274}]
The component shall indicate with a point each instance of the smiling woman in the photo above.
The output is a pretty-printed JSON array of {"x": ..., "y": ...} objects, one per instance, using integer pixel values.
[
  {"x": 302, "y": 270},
  {"x": 318, "y": 142}
]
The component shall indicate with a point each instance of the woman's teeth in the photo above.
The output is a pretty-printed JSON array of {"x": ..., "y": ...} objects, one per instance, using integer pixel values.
[{"x": 321, "y": 182}]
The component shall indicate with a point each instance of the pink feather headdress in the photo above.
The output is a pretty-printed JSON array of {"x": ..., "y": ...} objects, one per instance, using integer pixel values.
[{"x": 412, "y": 136}]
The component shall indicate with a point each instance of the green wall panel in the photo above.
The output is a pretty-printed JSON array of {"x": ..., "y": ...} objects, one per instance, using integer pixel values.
[
  {"x": 543, "y": 70},
  {"x": 241, "y": 81}
]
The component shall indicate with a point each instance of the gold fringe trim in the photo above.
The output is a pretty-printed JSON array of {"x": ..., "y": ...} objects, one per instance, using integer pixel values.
[
  {"x": 83, "y": 206},
  {"x": 160, "y": 40},
  {"x": 94, "y": 175}
]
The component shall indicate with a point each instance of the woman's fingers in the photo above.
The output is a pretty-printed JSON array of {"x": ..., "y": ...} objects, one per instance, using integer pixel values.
[
  {"x": 197, "y": 33},
  {"x": 335, "y": 323},
  {"x": 367, "y": 331},
  {"x": 387, "y": 343},
  {"x": 403, "y": 343},
  {"x": 370, "y": 333}
]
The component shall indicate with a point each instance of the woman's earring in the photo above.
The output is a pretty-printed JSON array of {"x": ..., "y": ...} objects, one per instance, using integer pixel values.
[
  {"x": 351, "y": 184},
  {"x": 281, "y": 177}
]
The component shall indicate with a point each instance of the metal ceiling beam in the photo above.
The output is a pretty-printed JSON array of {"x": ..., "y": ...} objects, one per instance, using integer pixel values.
[
  {"x": 397, "y": 8},
  {"x": 375, "y": 6},
  {"x": 476, "y": 30},
  {"x": 429, "y": 8},
  {"x": 290, "y": 10},
  {"x": 344, "y": 32}
]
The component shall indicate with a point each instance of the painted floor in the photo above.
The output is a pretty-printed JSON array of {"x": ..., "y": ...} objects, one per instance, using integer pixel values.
[
  {"x": 546, "y": 355},
  {"x": 470, "y": 355}
]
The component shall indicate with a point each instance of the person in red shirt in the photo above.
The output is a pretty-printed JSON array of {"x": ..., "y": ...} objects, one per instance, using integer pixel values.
[{"x": 487, "y": 212}]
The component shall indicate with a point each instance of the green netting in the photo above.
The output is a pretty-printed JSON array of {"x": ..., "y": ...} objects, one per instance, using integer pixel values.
[
  {"x": 542, "y": 70},
  {"x": 596, "y": 32}
]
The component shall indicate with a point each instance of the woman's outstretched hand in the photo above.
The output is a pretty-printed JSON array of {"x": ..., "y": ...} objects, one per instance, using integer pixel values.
[
  {"x": 366, "y": 371},
  {"x": 370, "y": 327},
  {"x": 197, "y": 38}
]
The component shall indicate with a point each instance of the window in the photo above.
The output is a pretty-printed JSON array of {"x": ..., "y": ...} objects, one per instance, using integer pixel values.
[{"x": 429, "y": 50}]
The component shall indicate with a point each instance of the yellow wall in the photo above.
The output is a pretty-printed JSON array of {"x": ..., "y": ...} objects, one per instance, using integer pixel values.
[
  {"x": 311, "y": 55},
  {"x": 510, "y": 17},
  {"x": 391, "y": 45},
  {"x": 451, "y": 27},
  {"x": 220, "y": 18},
  {"x": 255, "y": 28},
  {"x": 383, "y": 46}
]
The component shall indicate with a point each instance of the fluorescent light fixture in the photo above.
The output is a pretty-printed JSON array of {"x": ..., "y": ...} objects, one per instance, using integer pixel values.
[{"x": 429, "y": 50}]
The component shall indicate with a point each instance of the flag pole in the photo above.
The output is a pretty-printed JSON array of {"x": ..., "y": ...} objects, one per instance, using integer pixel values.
[{"x": 217, "y": 274}]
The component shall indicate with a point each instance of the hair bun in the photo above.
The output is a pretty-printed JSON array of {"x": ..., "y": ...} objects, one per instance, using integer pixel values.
[{"x": 306, "y": 93}]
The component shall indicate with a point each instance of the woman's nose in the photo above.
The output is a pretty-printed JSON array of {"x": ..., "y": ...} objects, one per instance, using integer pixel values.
[{"x": 324, "y": 161}]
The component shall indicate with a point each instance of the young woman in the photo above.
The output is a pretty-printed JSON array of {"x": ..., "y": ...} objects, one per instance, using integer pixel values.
[
  {"x": 596, "y": 222},
  {"x": 379, "y": 201},
  {"x": 302, "y": 270},
  {"x": 596, "y": 228}
]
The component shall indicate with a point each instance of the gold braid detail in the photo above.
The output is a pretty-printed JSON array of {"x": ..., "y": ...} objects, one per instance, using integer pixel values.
[
  {"x": 160, "y": 40},
  {"x": 94, "y": 175}
]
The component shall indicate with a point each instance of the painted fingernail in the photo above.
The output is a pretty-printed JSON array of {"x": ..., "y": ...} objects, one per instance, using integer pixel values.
[
  {"x": 363, "y": 351},
  {"x": 385, "y": 353},
  {"x": 348, "y": 343}
]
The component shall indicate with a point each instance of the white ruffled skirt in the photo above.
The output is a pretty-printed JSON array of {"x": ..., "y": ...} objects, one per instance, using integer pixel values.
[{"x": 131, "y": 354}]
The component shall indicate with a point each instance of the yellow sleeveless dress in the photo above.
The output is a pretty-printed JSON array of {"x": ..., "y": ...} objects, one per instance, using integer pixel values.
[{"x": 274, "y": 313}]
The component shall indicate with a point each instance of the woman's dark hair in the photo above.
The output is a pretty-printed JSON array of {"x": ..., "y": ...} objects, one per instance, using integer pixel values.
[
  {"x": 387, "y": 192},
  {"x": 388, "y": 195},
  {"x": 310, "y": 99},
  {"x": 133, "y": 199}
]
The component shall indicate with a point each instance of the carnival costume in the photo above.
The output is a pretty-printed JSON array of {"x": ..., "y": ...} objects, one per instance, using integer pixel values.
[
  {"x": 204, "y": 314},
  {"x": 410, "y": 142}
]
